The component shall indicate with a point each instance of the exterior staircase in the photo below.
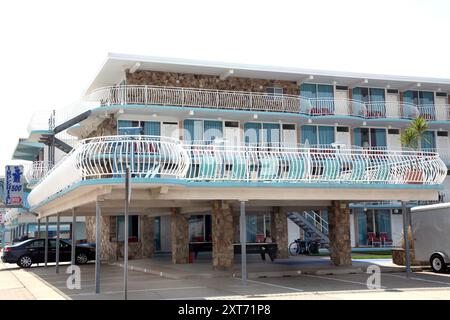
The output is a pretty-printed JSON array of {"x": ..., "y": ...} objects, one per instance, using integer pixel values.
[{"x": 314, "y": 226}]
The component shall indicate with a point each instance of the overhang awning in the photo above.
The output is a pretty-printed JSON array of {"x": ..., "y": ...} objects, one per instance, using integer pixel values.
[{"x": 27, "y": 150}]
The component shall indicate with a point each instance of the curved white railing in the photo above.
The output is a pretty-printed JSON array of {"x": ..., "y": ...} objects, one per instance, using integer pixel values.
[
  {"x": 36, "y": 171},
  {"x": 158, "y": 158},
  {"x": 146, "y": 156},
  {"x": 308, "y": 165}
]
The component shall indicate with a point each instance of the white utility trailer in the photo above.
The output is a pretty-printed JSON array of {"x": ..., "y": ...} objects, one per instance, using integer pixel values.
[{"x": 431, "y": 234}]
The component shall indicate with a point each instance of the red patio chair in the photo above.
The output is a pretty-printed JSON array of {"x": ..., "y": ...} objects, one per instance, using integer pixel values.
[{"x": 372, "y": 239}]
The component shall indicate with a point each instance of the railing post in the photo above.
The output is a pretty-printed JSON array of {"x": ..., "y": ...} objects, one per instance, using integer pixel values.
[
  {"x": 217, "y": 99},
  {"x": 145, "y": 96},
  {"x": 182, "y": 97}
]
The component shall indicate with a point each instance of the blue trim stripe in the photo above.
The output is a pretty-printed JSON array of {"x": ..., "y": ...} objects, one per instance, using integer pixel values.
[{"x": 227, "y": 184}]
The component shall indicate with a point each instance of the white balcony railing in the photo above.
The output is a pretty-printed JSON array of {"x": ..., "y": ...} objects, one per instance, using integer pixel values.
[
  {"x": 238, "y": 100},
  {"x": 159, "y": 158},
  {"x": 36, "y": 171}
]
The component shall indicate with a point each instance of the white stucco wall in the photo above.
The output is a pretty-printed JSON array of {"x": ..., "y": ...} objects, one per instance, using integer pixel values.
[
  {"x": 293, "y": 231},
  {"x": 352, "y": 229},
  {"x": 397, "y": 228}
]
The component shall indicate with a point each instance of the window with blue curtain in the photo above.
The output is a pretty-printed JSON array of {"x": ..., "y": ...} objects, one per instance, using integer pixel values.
[
  {"x": 326, "y": 92},
  {"x": 126, "y": 127},
  {"x": 309, "y": 133},
  {"x": 408, "y": 97},
  {"x": 428, "y": 140},
  {"x": 377, "y": 97},
  {"x": 212, "y": 130},
  {"x": 357, "y": 94},
  {"x": 383, "y": 221},
  {"x": 188, "y": 126},
  {"x": 362, "y": 227},
  {"x": 378, "y": 138},
  {"x": 357, "y": 137},
  {"x": 193, "y": 130},
  {"x": 252, "y": 228},
  {"x": 308, "y": 90},
  {"x": 271, "y": 133},
  {"x": 152, "y": 128},
  {"x": 251, "y": 133},
  {"x": 326, "y": 135},
  {"x": 426, "y": 98}
]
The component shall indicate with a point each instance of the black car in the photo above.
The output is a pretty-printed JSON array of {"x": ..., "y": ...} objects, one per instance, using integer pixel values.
[{"x": 33, "y": 251}]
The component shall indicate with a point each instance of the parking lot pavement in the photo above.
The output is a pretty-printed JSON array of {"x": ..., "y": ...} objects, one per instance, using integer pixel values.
[{"x": 421, "y": 285}]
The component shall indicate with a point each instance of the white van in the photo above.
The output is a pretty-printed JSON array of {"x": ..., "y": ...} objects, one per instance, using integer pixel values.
[{"x": 431, "y": 234}]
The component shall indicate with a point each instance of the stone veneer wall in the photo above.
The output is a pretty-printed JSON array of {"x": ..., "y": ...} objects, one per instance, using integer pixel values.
[
  {"x": 172, "y": 79},
  {"x": 180, "y": 237},
  {"x": 113, "y": 250},
  {"x": 339, "y": 233},
  {"x": 222, "y": 235},
  {"x": 107, "y": 127},
  {"x": 109, "y": 248},
  {"x": 279, "y": 232}
]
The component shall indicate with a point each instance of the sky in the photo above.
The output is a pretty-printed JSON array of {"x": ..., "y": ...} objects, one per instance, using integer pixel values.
[{"x": 51, "y": 50}]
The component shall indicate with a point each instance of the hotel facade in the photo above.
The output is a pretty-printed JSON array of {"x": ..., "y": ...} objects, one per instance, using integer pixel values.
[{"x": 219, "y": 150}]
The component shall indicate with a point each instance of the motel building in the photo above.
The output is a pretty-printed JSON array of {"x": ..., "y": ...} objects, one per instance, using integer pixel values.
[{"x": 223, "y": 153}]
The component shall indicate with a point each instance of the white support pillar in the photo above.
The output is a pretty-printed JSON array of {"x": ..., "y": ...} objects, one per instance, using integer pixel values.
[
  {"x": 46, "y": 243},
  {"x": 74, "y": 242},
  {"x": 38, "y": 236},
  {"x": 57, "y": 242},
  {"x": 243, "y": 240},
  {"x": 98, "y": 244},
  {"x": 406, "y": 239}
]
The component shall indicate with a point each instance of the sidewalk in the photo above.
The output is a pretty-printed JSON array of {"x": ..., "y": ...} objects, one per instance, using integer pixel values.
[{"x": 20, "y": 284}]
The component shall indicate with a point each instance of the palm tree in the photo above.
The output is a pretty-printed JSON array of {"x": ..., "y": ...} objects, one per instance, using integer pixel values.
[{"x": 414, "y": 134}]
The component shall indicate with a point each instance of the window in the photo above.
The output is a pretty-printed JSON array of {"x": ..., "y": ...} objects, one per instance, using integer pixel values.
[
  {"x": 258, "y": 228},
  {"x": 317, "y": 135},
  {"x": 393, "y": 131},
  {"x": 370, "y": 137},
  {"x": 36, "y": 244},
  {"x": 200, "y": 228},
  {"x": 149, "y": 128},
  {"x": 133, "y": 228},
  {"x": 157, "y": 239},
  {"x": 202, "y": 130},
  {"x": 428, "y": 140},
  {"x": 321, "y": 97},
  {"x": 261, "y": 133},
  {"x": 275, "y": 91},
  {"x": 373, "y": 221}
]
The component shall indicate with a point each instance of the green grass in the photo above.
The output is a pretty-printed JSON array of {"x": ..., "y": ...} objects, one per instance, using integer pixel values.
[
  {"x": 371, "y": 256},
  {"x": 376, "y": 254}
]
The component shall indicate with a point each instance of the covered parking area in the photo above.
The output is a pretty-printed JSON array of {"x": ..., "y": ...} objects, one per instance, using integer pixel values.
[{"x": 98, "y": 202}]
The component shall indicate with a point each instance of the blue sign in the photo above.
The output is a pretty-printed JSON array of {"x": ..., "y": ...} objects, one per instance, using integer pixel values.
[{"x": 14, "y": 184}]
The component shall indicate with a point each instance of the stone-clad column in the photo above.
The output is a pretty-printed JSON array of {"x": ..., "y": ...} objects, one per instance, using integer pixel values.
[
  {"x": 279, "y": 232},
  {"x": 339, "y": 234},
  {"x": 222, "y": 235},
  {"x": 180, "y": 237},
  {"x": 147, "y": 236}
]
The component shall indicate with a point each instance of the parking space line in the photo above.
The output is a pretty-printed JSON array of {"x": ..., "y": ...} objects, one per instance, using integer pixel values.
[
  {"x": 339, "y": 280},
  {"x": 272, "y": 285},
  {"x": 137, "y": 290},
  {"x": 419, "y": 279}
]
